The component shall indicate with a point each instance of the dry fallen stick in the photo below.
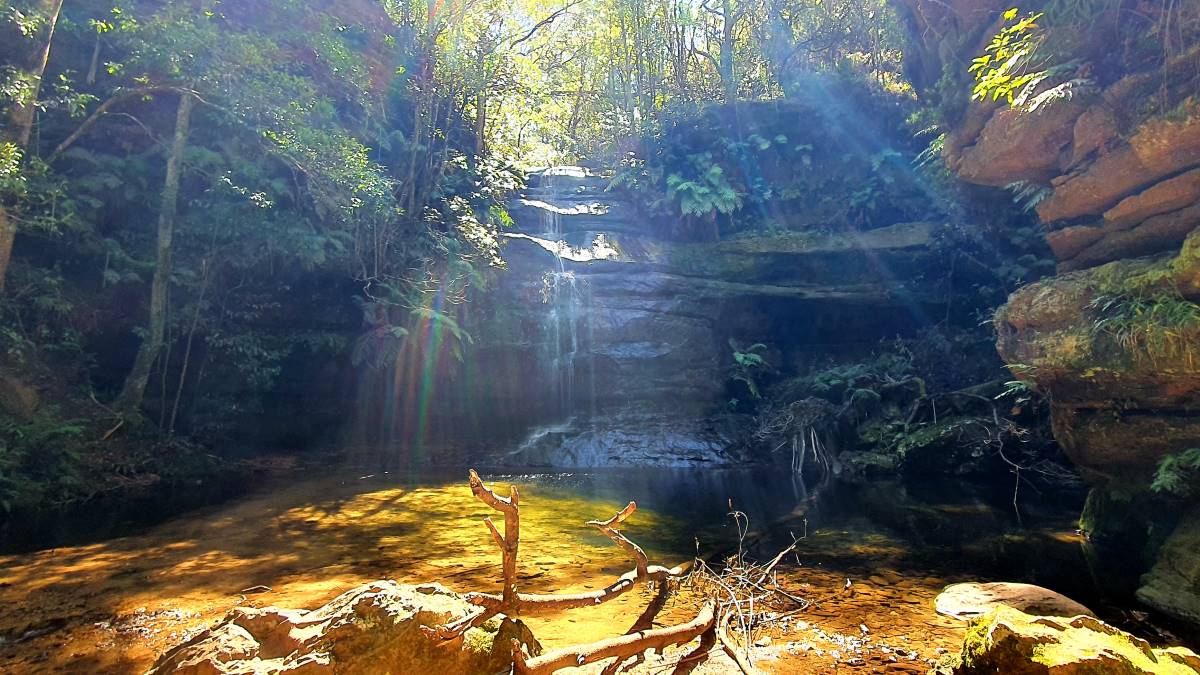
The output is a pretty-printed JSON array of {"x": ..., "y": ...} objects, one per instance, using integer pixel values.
[
  {"x": 731, "y": 648},
  {"x": 622, "y": 648}
]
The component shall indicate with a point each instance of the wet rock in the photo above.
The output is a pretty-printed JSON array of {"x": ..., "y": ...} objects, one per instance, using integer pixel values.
[
  {"x": 968, "y": 600},
  {"x": 1009, "y": 641},
  {"x": 375, "y": 628},
  {"x": 870, "y": 463},
  {"x": 1172, "y": 586},
  {"x": 625, "y": 361},
  {"x": 1054, "y": 329},
  {"x": 950, "y": 447}
]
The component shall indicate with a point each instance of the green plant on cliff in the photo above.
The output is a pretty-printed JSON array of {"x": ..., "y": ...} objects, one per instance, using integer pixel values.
[
  {"x": 1161, "y": 325},
  {"x": 1010, "y": 67},
  {"x": 1178, "y": 474},
  {"x": 1028, "y": 194},
  {"x": 704, "y": 191},
  {"x": 748, "y": 365}
]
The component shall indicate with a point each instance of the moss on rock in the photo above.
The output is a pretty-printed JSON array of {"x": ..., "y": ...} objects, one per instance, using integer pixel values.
[{"x": 1009, "y": 641}]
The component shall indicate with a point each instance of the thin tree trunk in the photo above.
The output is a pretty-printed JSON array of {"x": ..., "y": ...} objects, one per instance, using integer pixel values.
[
  {"x": 95, "y": 65},
  {"x": 187, "y": 351},
  {"x": 20, "y": 114},
  {"x": 8, "y": 232},
  {"x": 18, "y": 128},
  {"x": 480, "y": 122},
  {"x": 130, "y": 399},
  {"x": 729, "y": 22}
]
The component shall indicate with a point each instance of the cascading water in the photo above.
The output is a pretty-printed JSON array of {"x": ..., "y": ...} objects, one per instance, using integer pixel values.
[
  {"x": 563, "y": 295},
  {"x": 562, "y": 292}
]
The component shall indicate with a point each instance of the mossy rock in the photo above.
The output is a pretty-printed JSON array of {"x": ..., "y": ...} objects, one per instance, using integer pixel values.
[
  {"x": 947, "y": 447},
  {"x": 869, "y": 463},
  {"x": 1009, "y": 641},
  {"x": 1172, "y": 586}
]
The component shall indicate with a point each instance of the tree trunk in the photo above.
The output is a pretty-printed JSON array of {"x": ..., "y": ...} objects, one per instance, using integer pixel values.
[
  {"x": 130, "y": 398},
  {"x": 8, "y": 232},
  {"x": 29, "y": 60},
  {"x": 480, "y": 122},
  {"x": 727, "y": 71}
]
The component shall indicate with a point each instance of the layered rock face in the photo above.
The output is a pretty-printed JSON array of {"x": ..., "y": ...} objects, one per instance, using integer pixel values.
[
  {"x": 610, "y": 346},
  {"x": 1110, "y": 155}
]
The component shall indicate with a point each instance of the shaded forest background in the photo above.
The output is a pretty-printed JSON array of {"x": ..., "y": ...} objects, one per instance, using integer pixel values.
[{"x": 210, "y": 209}]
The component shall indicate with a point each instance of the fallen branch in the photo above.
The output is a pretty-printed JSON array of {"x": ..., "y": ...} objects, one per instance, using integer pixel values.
[
  {"x": 749, "y": 588},
  {"x": 528, "y": 604},
  {"x": 511, "y": 603},
  {"x": 508, "y": 543},
  {"x": 731, "y": 649},
  {"x": 607, "y": 527},
  {"x": 622, "y": 648}
]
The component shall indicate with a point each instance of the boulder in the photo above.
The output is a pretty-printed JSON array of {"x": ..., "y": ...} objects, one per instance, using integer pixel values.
[
  {"x": 969, "y": 600},
  {"x": 1009, "y": 641},
  {"x": 1172, "y": 586},
  {"x": 1169, "y": 195},
  {"x": 374, "y": 628},
  {"x": 1119, "y": 405}
]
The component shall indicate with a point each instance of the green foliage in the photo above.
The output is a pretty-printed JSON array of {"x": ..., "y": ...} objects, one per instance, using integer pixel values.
[
  {"x": 1156, "y": 326},
  {"x": 1178, "y": 474},
  {"x": 39, "y": 460},
  {"x": 706, "y": 191},
  {"x": 786, "y": 166},
  {"x": 842, "y": 383},
  {"x": 1010, "y": 67},
  {"x": 748, "y": 365},
  {"x": 1028, "y": 194}
]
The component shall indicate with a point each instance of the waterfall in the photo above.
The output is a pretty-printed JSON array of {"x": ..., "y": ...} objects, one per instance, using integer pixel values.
[
  {"x": 563, "y": 295},
  {"x": 551, "y": 218}
]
